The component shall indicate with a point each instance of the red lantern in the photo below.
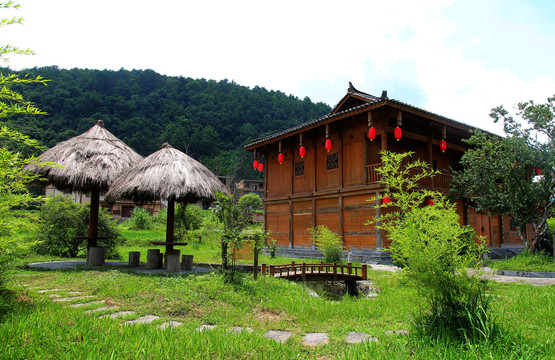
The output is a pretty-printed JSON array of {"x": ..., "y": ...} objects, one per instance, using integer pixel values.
[
  {"x": 398, "y": 133},
  {"x": 443, "y": 145},
  {"x": 328, "y": 145},
  {"x": 538, "y": 171},
  {"x": 371, "y": 133},
  {"x": 260, "y": 167},
  {"x": 255, "y": 164},
  {"x": 431, "y": 202},
  {"x": 281, "y": 158},
  {"x": 302, "y": 151},
  {"x": 386, "y": 200}
]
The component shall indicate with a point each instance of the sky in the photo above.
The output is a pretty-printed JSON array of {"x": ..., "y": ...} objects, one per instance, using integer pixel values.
[{"x": 456, "y": 58}]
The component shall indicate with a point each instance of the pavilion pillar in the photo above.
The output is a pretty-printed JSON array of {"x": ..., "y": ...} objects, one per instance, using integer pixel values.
[
  {"x": 93, "y": 218},
  {"x": 170, "y": 224}
]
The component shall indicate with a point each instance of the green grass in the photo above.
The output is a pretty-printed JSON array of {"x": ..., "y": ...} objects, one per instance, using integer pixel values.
[
  {"x": 208, "y": 251},
  {"x": 526, "y": 262},
  {"x": 39, "y": 328}
]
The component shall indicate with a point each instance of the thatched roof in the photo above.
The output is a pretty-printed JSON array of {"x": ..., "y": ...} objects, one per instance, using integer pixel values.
[
  {"x": 93, "y": 159},
  {"x": 166, "y": 174}
]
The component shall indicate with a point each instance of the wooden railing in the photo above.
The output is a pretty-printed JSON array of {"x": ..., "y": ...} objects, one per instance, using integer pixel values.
[
  {"x": 438, "y": 182},
  {"x": 334, "y": 271},
  {"x": 373, "y": 176}
]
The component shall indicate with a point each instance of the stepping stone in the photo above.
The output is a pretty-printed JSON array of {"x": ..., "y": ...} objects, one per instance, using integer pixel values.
[
  {"x": 206, "y": 327},
  {"x": 397, "y": 332},
  {"x": 143, "y": 320},
  {"x": 47, "y": 290},
  {"x": 73, "y": 298},
  {"x": 52, "y": 295},
  {"x": 315, "y": 339},
  {"x": 103, "y": 308},
  {"x": 87, "y": 304},
  {"x": 239, "y": 329},
  {"x": 121, "y": 313},
  {"x": 170, "y": 324},
  {"x": 277, "y": 335},
  {"x": 358, "y": 337},
  {"x": 74, "y": 292},
  {"x": 371, "y": 295},
  {"x": 312, "y": 293}
]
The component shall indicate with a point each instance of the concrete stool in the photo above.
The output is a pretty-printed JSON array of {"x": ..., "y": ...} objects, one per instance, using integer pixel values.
[
  {"x": 173, "y": 263},
  {"x": 97, "y": 255},
  {"x": 134, "y": 258},
  {"x": 187, "y": 262},
  {"x": 170, "y": 252},
  {"x": 153, "y": 259}
]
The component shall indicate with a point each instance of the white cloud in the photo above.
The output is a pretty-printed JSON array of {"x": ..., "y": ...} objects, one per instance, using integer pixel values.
[{"x": 290, "y": 45}]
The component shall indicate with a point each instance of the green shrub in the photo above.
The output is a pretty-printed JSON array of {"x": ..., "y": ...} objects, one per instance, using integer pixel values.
[
  {"x": 161, "y": 219},
  {"x": 188, "y": 216},
  {"x": 328, "y": 242},
  {"x": 141, "y": 219},
  {"x": 435, "y": 251},
  {"x": 61, "y": 220}
]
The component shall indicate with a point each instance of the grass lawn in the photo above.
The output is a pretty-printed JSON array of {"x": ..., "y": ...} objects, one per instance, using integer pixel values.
[
  {"x": 526, "y": 262},
  {"x": 38, "y": 328}
]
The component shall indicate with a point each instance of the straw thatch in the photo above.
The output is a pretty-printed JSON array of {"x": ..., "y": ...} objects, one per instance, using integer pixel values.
[
  {"x": 93, "y": 159},
  {"x": 166, "y": 174}
]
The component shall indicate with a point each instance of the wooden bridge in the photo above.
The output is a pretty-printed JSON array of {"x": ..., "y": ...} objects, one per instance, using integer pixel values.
[{"x": 317, "y": 272}]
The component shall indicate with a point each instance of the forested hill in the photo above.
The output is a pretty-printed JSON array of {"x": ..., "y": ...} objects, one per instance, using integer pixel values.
[{"x": 209, "y": 120}]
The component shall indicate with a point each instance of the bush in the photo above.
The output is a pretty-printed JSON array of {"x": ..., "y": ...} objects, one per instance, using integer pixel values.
[
  {"x": 188, "y": 216},
  {"x": 328, "y": 242},
  {"x": 435, "y": 251},
  {"x": 141, "y": 219},
  {"x": 61, "y": 220}
]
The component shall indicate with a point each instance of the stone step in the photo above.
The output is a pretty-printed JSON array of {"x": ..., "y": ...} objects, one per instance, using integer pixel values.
[{"x": 142, "y": 320}]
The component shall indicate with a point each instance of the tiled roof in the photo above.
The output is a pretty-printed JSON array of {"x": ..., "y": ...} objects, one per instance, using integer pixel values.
[{"x": 373, "y": 101}]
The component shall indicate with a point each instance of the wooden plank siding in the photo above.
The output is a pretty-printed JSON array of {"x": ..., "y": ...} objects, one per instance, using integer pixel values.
[{"x": 305, "y": 192}]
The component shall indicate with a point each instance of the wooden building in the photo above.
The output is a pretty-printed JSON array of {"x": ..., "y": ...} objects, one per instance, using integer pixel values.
[{"x": 332, "y": 187}]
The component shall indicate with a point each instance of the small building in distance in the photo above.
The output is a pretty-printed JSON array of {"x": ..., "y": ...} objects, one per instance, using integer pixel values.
[
  {"x": 249, "y": 187},
  {"x": 120, "y": 209},
  {"x": 323, "y": 172}
]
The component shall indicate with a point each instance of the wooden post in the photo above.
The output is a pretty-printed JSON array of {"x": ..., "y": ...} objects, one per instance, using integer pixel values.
[
  {"x": 321, "y": 266},
  {"x": 364, "y": 271},
  {"x": 170, "y": 224},
  {"x": 272, "y": 270},
  {"x": 349, "y": 264},
  {"x": 255, "y": 267},
  {"x": 263, "y": 270},
  {"x": 93, "y": 217},
  {"x": 303, "y": 272},
  {"x": 334, "y": 271}
]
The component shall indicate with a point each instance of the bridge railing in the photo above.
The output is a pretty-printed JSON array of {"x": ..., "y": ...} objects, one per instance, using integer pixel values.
[{"x": 304, "y": 269}]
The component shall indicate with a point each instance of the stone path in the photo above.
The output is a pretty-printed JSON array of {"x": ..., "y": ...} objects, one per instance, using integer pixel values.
[{"x": 78, "y": 300}]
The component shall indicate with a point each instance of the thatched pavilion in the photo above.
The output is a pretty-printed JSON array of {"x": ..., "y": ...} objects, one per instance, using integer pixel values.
[
  {"x": 167, "y": 174},
  {"x": 89, "y": 162}
]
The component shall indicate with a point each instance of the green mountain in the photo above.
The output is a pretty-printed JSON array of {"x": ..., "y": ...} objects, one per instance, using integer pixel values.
[{"x": 209, "y": 120}]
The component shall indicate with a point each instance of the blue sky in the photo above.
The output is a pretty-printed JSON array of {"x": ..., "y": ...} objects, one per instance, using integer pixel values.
[{"x": 452, "y": 57}]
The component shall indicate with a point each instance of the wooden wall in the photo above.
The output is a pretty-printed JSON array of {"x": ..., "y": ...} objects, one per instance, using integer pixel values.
[{"x": 338, "y": 197}]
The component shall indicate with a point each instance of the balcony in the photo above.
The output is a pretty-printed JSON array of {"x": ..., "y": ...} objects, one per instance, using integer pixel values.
[{"x": 440, "y": 182}]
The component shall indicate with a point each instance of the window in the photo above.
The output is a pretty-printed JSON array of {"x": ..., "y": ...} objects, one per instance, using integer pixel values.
[
  {"x": 332, "y": 161},
  {"x": 299, "y": 168}
]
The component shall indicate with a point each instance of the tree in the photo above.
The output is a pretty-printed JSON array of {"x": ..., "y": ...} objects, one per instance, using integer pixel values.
[
  {"x": 434, "y": 250},
  {"x": 13, "y": 192},
  {"x": 514, "y": 175}
]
